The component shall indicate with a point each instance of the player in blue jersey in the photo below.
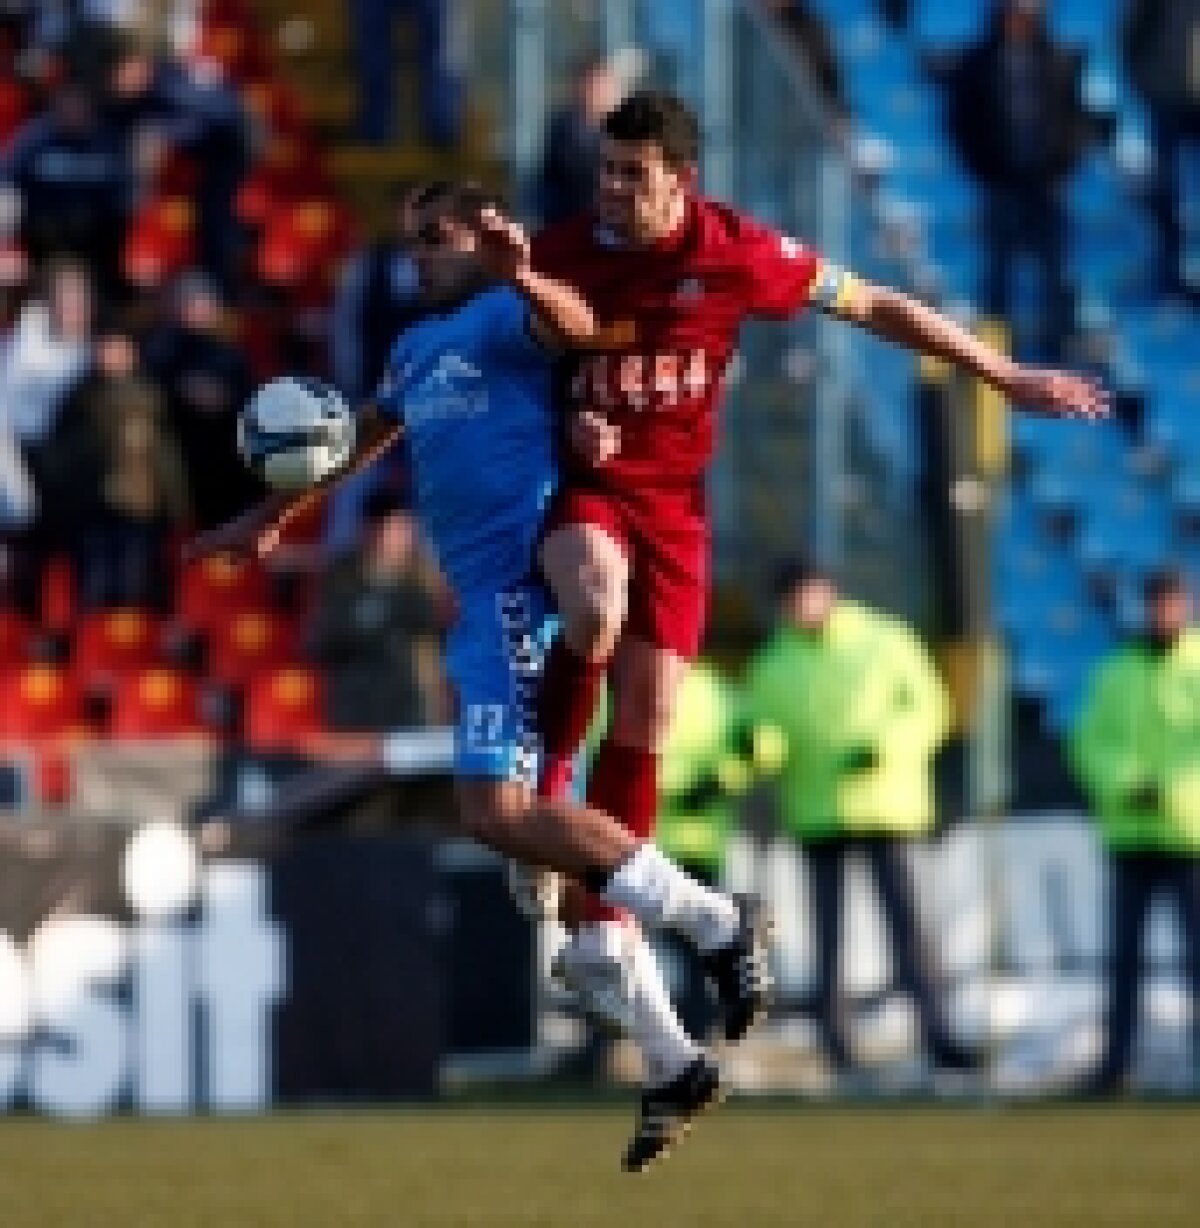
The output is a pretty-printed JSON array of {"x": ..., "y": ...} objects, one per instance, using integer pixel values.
[{"x": 471, "y": 389}]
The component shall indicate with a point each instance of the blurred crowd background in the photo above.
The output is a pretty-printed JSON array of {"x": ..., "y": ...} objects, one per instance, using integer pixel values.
[{"x": 950, "y": 713}]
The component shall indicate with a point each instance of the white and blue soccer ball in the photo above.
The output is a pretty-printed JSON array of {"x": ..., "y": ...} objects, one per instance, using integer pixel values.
[{"x": 295, "y": 432}]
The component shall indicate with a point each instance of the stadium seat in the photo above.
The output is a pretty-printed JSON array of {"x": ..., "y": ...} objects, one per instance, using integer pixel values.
[
  {"x": 111, "y": 643},
  {"x": 946, "y": 25},
  {"x": 1127, "y": 523},
  {"x": 282, "y": 706},
  {"x": 59, "y": 595},
  {"x": 37, "y": 702},
  {"x": 247, "y": 643},
  {"x": 1089, "y": 25},
  {"x": 155, "y": 703},
  {"x": 161, "y": 242},
  {"x": 15, "y": 637},
  {"x": 215, "y": 588}
]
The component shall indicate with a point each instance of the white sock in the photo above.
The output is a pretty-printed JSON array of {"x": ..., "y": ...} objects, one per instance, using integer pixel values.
[
  {"x": 662, "y": 896},
  {"x": 667, "y": 1049},
  {"x": 603, "y": 940}
]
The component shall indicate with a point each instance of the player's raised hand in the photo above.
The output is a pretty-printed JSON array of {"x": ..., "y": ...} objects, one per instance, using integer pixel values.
[
  {"x": 593, "y": 437},
  {"x": 501, "y": 244},
  {"x": 1060, "y": 394}
]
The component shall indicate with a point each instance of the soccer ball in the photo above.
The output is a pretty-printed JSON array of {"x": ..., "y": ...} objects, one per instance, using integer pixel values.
[{"x": 296, "y": 432}]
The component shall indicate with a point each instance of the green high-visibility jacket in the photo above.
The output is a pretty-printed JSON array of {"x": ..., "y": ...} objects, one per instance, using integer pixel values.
[
  {"x": 701, "y": 775},
  {"x": 1139, "y": 731},
  {"x": 862, "y": 688}
]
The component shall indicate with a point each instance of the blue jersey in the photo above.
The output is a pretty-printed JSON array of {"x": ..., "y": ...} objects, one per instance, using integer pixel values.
[{"x": 473, "y": 390}]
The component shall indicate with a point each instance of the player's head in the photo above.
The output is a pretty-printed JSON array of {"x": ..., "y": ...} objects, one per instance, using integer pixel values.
[
  {"x": 449, "y": 268},
  {"x": 806, "y": 593},
  {"x": 390, "y": 532},
  {"x": 647, "y": 165},
  {"x": 1168, "y": 604}
]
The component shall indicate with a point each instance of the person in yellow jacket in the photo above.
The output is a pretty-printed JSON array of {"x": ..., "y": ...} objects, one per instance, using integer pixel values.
[
  {"x": 857, "y": 705},
  {"x": 1136, "y": 748},
  {"x": 703, "y": 772}
]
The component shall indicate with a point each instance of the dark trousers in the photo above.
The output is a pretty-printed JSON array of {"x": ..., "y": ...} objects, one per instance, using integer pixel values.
[
  {"x": 915, "y": 964},
  {"x": 122, "y": 561},
  {"x": 1028, "y": 219},
  {"x": 1174, "y": 133},
  {"x": 1136, "y": 879},
  {"x": 374, "y": 31}
]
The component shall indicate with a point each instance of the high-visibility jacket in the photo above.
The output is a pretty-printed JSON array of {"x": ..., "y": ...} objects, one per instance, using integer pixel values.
[
  {"x": 701, "y": 774},
  {"x": 861, "y": 710},
  {"x": 1136, "y": 747}
]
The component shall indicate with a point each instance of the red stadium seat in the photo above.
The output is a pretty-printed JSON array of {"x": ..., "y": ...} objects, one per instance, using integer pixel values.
[
  {"x": 155, "y": 703},
  {"x": 161, "y": 242},
  {"x": 233, "y": 49},
  {"x": 39, "y": 702},
  {"x": 283, "y": 706},
  {"x": 15, "y": 638},
  {"x": 247, "y": 643},
  {"x": 111, "y": 643},
  {"x": 58, "y": 595},
  {"x": 14, "y": 107},
  {"x": 214, "y": 588},
  {"x": 302, "y": 243}
]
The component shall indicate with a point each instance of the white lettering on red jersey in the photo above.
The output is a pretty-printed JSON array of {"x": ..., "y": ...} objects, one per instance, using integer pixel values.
[{"x": 670, "y": 315}]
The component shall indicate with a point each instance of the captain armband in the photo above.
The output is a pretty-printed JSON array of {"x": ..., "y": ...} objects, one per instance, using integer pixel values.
[{"x": 836, "y": 291}]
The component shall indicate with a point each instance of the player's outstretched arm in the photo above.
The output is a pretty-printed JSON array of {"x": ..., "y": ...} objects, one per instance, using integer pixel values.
[
  {"x": 258, "y": 531},
  {"x": 561, "y": 317},
  {"x": 906, "y": 321}
]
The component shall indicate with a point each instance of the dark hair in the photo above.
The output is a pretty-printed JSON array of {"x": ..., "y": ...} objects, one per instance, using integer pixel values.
[
  {"x": 383, "y": 502},
  {"x": 588, "y": 63},
  {"x": 655, "y": 115},
  {"x": 796, "y": 572},
  {"x": 1165, "y": 581},
  {"x": 461, "y": 200}
]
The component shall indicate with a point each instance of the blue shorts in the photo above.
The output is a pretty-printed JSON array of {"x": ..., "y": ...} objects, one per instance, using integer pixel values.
[{"x": 495, "y": 658}]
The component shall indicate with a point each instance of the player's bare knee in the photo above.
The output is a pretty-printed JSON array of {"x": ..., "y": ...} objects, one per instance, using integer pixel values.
[{"x": 593, "y": 627}]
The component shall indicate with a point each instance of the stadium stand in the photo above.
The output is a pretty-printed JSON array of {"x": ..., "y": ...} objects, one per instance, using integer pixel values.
[{"x": 1088, "y": 512}]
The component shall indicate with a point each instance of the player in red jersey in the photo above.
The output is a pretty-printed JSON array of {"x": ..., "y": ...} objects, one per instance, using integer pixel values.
[{"x": 671, "y": 275}]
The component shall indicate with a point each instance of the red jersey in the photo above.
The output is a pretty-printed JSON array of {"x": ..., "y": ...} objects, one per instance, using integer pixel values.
[{"x": 669, "y": 315}]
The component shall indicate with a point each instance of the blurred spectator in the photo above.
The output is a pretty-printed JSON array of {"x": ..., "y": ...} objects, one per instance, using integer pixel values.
[
  {"x": 162, "y": 113},
  {"x": 1017, "y": 120},
  {"x": 374, "y": 26},
  {"x": 44, "y": 356},
  {"x": 74, "y": 180},
  {"x": 859, "y": 710},
  {"x": 1161, "y": 38},
  {"x": 375, "y": 610},
  {"x": 206, "y": 381},
  {"x": 808, "y": 37},
  {"x": 567, "y": 180},
  {"x": 703, "y": 774},
  {"x": 1137, "y": 751},
  {"x": 121, "y": 480},
  {"x": 378, "y": 297}
]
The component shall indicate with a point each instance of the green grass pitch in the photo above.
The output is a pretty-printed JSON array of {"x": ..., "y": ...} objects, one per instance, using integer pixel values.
[{"x": 742, "y": 1165}]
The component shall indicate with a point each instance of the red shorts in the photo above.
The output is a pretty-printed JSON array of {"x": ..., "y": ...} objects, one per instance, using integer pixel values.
[{"x": 665, "y": 537}]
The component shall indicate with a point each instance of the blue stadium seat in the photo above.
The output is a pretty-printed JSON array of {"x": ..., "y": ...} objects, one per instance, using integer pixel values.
[
  {"x": 1088, "y": 24},
  {"x": 1033, "y": 576},
  {"x": 946, "y": 25},
  {"x": 1127, "y": 523}
]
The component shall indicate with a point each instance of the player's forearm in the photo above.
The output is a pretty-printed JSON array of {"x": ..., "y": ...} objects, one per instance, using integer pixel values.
[
  {"x": 375, "y": 436},
  {"x": 908, "y": 322},
  {"x": 564, "y": 316}
]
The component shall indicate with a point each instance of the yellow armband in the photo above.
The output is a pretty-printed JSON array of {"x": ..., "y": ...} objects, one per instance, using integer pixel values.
[{"x": 835, "y": 290}]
